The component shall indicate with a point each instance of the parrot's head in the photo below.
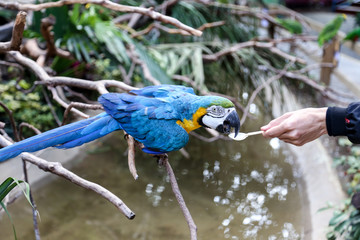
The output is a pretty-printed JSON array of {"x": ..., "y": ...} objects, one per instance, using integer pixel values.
[{"x": 221, "y": 115}]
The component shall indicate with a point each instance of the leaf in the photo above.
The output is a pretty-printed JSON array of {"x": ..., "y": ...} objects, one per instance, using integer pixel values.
[
  {"x": 331, "y": 236},
  {"x": 121, "y": 49},
  {"x": 342, "y": 226},
  {"x": 12, "y": 223},
  {"x": 337, "y": 218},
  {"x": 75, "y": 13},
  {"x": 153, "y": 66},
  {"x": 84, "y": 51},
  {"x": 6, "y": 187},
  {"x": 69, "y": 45},
  {"x": 76, "y": 49},
  {"x": 198, "y": 68},
  {"x": 90, "y": 32},
  {"x": 356, "y": 234}
]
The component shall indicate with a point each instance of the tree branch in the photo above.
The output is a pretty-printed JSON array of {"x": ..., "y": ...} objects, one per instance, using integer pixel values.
[
  {"x": 57, "y": 169},
  {"x": 131, "y": 155},
  {"x": 51, "y": 82},
  {"x": 23, "y": 125},
  {"x": 175, "y": 187},
  {"x": 105, "y": 3},
  {"x": 79, "y": 105},
  {"x": 259, "y": 88},
  {"x": 12, "y": 120},
  {"x": 237, "y": 47},
  {"x": 17, "y": 34}
]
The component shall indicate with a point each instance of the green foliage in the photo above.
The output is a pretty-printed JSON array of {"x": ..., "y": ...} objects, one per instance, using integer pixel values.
[
  {"x": 345, "y": 222},
  {"x": 5, "y": 188},
  {"x": 26, "y": 107},
  {"x": 232, "y": 31},
  {"x": 291, "y": 25}
]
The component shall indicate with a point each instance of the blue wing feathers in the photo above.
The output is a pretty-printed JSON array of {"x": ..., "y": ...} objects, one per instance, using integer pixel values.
[
  {"x": 70, "y": 135},
  {"x": 80, "y": 141},
  {"x": 148, "y": 114}
]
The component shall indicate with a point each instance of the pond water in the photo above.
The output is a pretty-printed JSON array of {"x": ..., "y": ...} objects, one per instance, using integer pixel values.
[{"x": 234, "y": 190}]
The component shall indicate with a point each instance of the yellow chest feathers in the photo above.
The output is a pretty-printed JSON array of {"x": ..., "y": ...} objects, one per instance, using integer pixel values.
[{"x": 192, "y": 124}]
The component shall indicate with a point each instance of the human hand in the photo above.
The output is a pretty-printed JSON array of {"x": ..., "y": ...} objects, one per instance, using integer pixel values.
[{"x": 298, "y": 127}]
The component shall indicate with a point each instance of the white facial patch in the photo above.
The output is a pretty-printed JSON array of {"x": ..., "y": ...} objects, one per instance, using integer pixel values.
[{"x": 216, "y": 117}]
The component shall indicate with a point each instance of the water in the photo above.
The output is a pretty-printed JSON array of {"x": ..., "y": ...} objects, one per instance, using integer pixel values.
[{"x": 234, "y": 190}]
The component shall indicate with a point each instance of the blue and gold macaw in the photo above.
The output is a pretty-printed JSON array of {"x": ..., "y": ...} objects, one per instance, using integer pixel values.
[{"x": 160, "y": 117}]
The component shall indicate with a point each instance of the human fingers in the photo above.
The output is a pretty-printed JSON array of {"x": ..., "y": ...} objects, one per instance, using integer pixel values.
[
  {"x": 275, "y": 131},
  {"x": 275, "y": 122}
]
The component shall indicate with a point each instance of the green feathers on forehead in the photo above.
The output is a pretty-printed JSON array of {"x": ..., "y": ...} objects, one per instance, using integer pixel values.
[{"x": 219, "y": 101}]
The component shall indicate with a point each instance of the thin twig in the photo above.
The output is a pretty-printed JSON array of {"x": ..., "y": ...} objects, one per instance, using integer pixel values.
[
  {"x": 327, "y": 92},
  {"x": 17, "y": 33},
  {"x": 52, "y": 109},
  {"x": 51, "y": 82},
  {"x": 77, "y": 94},
  {"x": 79, "y": 105},
  {"x": 131, "y": 156},
  {"x": 259, "y": 88},
  {"x": 105, "y": 3},
  {"x": 237, "y": 47},
  {"x": 47, "y": 80},
  {"x": 57, "y": 169},
  {"x": 34, "y": 208},
  {"x": 23, "y": 125},
  {"x": 12, "y": 120},
  {"x": 175, "y": 187},
  {"x": 174, "y": 30}
]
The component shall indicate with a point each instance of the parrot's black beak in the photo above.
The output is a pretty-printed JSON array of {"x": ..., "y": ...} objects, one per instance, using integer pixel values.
[{"x": 231, "y": 121}]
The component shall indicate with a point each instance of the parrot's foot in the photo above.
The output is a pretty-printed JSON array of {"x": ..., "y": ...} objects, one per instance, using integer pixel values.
[{"x": 161, "y": 159}]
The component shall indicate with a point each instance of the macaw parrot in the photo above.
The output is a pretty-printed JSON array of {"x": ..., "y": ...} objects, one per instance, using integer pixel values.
[
  {"x": 330, "y": 30},
  {"x": 160, "y": 117}
]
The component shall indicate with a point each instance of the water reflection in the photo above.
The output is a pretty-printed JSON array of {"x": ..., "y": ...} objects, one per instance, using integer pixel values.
[{"x": 234, "y": 190}]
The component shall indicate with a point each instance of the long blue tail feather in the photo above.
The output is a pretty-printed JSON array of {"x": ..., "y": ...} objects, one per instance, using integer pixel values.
[{"x": 68, "y": 136}]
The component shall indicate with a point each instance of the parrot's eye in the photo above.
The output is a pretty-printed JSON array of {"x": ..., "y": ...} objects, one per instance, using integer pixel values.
[{"x": 216, "y": 111}]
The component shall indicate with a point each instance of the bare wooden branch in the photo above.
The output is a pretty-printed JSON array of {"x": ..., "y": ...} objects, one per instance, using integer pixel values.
[
  {"x": 57, "y": 169},
  {"x": 174, "y": 30},
  {"x": 12, "y": 120},
  {"x": 49, "y": 81},
  {"x": 175, "y": 187},
  {"x": 323, "y": 90},
  {"x": 107, "y": 4},
  {"x": 17, "y": 33},
  {"x": 34, "y": 207},
  {"x": 23, "y": 125},
  {"x": 45, "y": 29},
  {"x": 259, "y": 88},
  {"x": 237, "y": 47},
  {"x": 79, "y": 105},
  {"x": 131, "y": 156},
  {"x": 4, "y": 133}
]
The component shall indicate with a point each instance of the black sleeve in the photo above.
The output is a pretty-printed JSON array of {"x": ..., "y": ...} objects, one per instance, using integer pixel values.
[{"x": 344, "y": 121}]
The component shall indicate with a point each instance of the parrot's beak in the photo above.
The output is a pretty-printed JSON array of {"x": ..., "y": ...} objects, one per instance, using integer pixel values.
[{"x": 231, "y": 121}]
